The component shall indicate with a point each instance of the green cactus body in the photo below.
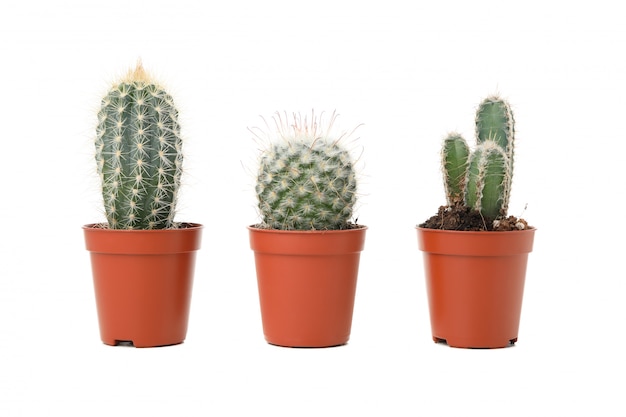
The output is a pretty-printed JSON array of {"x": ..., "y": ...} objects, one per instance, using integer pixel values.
[
  {"x": 489, "y": 168},
  {"x": 487, "y": 180},
  {"x": 306, "y": 181},
  {"x": 494, "y": 121},
  {"x": 138, "y": 152},
  {"x": 454, "y": 157}
]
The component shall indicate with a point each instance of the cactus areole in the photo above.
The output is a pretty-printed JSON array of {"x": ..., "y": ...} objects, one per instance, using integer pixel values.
[{"x": 138, "y": 152}]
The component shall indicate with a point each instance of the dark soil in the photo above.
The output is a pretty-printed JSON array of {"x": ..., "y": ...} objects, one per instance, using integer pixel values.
[
  {"x": 460, "y": 217},
  {"x": 181, "y": 225},
  {"x": 347, "y": 226}
]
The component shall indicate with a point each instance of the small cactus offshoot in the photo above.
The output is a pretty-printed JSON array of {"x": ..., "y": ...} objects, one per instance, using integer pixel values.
[
  {"x": 306, "y": 179},
  {"x": 482, "y": 179},
  {"x": 454, "y": 155},
  {"x": 138, "y": 152}
]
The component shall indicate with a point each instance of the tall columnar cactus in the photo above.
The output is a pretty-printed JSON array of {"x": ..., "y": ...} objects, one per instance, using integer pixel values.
[
  {"x": 306, "y": 178},
  {"x": 488, "y": 180},
  {"x": 454, "y": 157},
  {"x": 483, "y": 177},
  {"x": 138, "y": 152}
]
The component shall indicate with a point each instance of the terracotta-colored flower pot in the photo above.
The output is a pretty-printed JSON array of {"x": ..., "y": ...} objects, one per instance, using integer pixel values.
[
  {"x": 475, "y": 285},
  {"x": 307, "y": 283},
  {"x": 143, "y": 281}
]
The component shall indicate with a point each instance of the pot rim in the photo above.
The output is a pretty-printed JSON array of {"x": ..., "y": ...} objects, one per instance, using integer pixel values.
[
  {"x": 307, "y": 242},
  {"x": 142, "y": 242},
  {"x": 475, "y": 243}
]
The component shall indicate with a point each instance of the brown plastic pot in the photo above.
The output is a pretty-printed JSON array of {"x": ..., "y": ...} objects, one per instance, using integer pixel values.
[
  {"x": 475, "y": 285},
  {"x": 143, "y": 281},
  {"x": 307, "y": 284}
]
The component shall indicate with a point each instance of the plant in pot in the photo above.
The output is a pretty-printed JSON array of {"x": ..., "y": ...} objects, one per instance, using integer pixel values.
[
  {"x": 475, "y": 255},
  {"x": 142, "y": 259},
  {"x": 306, "y": 248}
]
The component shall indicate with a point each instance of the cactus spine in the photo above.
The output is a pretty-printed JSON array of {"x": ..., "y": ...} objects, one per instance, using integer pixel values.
[
  {"x": 306, "y": 178},
  {"x": 487, "y": 172},
  {"x": 138, "y": 153}
]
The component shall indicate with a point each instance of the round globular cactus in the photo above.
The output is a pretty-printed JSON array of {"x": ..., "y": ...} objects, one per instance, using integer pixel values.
[
  {"x": 138, "y": 153},
  {"x": 306, "y": 179},
  {"x": 483, "y": 177}
]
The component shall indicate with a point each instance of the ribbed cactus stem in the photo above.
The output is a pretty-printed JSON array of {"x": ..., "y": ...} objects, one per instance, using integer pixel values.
[
  {"x": 138, "y": 152},
  {"x": 488, "y": 180},
  {"x": 306, "y": 178},
  {"x": 454, "y": 155},
  {"x": 495, "y": 121}
]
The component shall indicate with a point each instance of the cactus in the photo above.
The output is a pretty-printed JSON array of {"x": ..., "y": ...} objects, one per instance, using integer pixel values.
[
  {"x": 494, "y": 121},
  {"x": 306, "y": 179},
  {"x": 138, "y": 153},
  {"x": 454, "y": 164},
  {"x": 487, "y": 180},
  {"x": 483, "y": 177}
]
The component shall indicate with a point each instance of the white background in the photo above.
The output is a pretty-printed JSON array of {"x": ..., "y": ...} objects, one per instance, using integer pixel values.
[{"x": 410, "y": 72}]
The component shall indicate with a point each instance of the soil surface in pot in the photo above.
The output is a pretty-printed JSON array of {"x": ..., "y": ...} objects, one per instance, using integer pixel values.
[
  {"x": 181, "y": 225},
  {"x": 347, "y": 226},
  {"x": 460, "y": 217}
]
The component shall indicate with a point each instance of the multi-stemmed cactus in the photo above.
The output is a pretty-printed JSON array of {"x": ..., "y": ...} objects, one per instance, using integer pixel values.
[
  {"x": 138, "y": 152},
  {"x": 481, "y": 179},
  {"x": 306, "y": 178}
]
